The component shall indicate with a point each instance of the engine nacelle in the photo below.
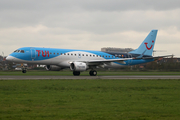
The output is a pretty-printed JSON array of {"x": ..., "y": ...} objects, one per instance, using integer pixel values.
[
  {"x": 78, "y": 66},
  {"x": 53, "y": 68}
]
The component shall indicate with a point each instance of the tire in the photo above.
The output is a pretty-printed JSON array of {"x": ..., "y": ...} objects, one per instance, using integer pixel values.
[
  {"x": 23, "y": 71},
  {"x": 76, "y": 73},
  {"x": 93, "y": 73}
]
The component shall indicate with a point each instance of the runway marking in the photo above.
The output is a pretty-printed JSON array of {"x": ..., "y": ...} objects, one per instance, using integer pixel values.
[{"x": 88, "y": 77}]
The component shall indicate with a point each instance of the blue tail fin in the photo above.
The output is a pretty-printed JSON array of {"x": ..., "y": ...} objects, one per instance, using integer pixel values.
[{"x": 147, "y": 46}]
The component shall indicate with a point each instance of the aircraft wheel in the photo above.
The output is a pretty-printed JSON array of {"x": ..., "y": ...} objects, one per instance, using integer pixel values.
[
  {"x": 76, "y": 73},
  {"x": 23, "y": 71},
  {"x": 93, "y": 73}
]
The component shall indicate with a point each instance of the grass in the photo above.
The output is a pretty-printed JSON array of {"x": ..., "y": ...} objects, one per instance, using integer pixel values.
[
  {"x": 89, "y": 99},
  {"x": 69, "y": 73}
]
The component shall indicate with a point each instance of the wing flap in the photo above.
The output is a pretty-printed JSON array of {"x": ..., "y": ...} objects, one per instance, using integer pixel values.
[{"x": 109, "y": 60}]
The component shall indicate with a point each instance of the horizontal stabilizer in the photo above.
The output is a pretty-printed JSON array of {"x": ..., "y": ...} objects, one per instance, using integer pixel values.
[{"x": 156, "y": 57}]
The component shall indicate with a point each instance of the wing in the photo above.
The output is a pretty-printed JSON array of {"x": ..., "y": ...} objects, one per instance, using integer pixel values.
[
  {"x": 121, "y": 60},
  {"x": 107, "y": 61}
]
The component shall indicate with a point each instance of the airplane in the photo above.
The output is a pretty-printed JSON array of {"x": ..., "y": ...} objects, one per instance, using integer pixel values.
[{"x": 82, "y": 60}]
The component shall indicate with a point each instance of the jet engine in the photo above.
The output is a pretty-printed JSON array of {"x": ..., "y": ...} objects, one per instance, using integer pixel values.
[
  {"x": 53, "y": 68},
  {"x": 78, "y": 66}
]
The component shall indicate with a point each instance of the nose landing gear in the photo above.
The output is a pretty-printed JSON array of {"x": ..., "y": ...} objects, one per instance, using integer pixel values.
[{"x": 24, "y": 69}]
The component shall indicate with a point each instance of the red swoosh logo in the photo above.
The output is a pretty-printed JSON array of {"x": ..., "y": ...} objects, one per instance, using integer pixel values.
[{"x": 147, "y": 46}]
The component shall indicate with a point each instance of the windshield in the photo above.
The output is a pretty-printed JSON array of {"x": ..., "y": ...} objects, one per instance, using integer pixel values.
[{"x": 19, "y": 51}]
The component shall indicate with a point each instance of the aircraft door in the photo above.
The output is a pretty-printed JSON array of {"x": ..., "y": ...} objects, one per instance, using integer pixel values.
[
  {"x": 79, "y": 55},
  {"x": 129, "y": 61},
  {"x": 33, "y": 53}
]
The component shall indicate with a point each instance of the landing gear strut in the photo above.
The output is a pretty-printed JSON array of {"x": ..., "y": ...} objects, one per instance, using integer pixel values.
[
  {"x": 24, "y": 69},
  {"x": 93, "y": 73},
  {"x": 76, "y": 73}
]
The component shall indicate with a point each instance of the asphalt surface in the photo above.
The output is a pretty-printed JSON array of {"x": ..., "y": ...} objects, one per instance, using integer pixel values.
[{"x": 89, "y": 77}]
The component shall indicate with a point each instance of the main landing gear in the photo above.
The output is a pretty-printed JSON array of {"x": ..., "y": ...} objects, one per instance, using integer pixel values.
[
  {"x": 91, "y": 73},
  {"x": 76, "y": 73}
]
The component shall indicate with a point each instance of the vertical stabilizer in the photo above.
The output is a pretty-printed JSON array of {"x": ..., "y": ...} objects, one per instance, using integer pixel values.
[{"x": 147, "y": 46}]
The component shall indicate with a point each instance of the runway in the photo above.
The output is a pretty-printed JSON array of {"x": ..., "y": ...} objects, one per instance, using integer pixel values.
[{"x": 89, "y": 77}]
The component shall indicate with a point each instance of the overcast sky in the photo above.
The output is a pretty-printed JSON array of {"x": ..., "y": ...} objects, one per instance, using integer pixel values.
[{"x": 89, "y": 24}]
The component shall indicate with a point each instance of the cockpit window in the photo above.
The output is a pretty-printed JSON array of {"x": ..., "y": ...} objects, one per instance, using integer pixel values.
[
  {"x": 15, "y": 51},
  {"x": 19, "y": 51}
]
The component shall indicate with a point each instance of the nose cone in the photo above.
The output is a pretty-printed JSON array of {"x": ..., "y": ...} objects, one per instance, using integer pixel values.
[{"x": 9, "y": 58}]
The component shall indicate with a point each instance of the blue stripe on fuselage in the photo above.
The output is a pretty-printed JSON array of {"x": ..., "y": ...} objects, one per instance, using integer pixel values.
[{"x": 135, "y": 62}]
